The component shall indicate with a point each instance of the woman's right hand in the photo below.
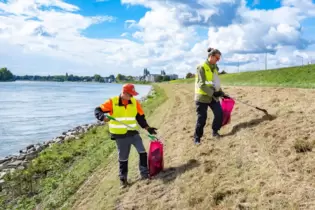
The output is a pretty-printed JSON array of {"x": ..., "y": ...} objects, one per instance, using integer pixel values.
[{"x": 106, "y": 119}]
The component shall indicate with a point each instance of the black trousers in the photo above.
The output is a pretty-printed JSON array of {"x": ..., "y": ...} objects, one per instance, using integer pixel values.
[{"x": 201, "y": 109}]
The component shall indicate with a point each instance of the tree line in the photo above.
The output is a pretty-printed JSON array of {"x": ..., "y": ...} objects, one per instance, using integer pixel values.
[
  {"x": 6, "y": 75},
  {"x": 61, "y": 78}
]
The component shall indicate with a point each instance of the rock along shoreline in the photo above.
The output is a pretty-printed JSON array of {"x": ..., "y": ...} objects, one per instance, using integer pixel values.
[{"x": 12, "y": 162}]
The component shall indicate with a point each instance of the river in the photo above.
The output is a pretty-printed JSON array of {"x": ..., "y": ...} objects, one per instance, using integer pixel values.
[{"x": 33, "y": 112}]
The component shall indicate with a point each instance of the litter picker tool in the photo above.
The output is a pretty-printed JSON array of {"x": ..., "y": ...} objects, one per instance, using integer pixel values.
[{"x": 258, "y": 108}]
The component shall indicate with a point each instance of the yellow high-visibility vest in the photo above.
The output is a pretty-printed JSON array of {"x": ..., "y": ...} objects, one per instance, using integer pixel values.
[
  {"x": 211, "y": 79},
  {"x": 126, "y": 115}
]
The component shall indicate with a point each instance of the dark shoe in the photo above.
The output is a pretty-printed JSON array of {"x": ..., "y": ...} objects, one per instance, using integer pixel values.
[
  {"x": 123, "y": 183},
  {"x": 144, "y": 176},
  {"x": 216, "y": 135},
  {"x": 197, "y": 141}
]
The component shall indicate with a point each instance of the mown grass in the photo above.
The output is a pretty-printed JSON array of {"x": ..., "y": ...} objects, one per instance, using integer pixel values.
[
  {"x": 56, "y": 174},
  {"x": 300, "y": 77}
]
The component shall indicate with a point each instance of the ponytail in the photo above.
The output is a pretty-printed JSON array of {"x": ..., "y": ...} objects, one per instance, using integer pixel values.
[{"x": 212, "y": 51}]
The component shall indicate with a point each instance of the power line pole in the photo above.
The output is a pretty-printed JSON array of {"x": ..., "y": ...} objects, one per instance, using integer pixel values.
[
  {"x": 238, "y": 64},
  {"x": 266, "y": 61}
]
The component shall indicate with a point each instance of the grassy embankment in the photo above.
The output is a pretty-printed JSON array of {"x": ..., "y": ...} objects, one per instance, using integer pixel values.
[
  {"x": 58, "y": 171},
  {"x": 300, "y": 77}
]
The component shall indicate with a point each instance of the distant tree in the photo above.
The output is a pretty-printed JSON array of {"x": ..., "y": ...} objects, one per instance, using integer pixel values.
[
  {"x": 6, "y": 75},
  {"x": 120, "y": 77},
  {"x": 112, "y": 77},
  {"x": 98, "y": 78},
  {"x": 189, "y": 75},
  {"x": 166, "y": 78},
  {"x": 159, "y": 78},
  {"x": 129, "y": 78},
  {"x": 223, "y": 72}
]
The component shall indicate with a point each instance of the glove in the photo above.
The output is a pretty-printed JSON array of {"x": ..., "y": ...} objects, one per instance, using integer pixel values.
[
  {"x": 151, "y": 130},
  {"x": 218, "y": 94},
  {"x": 105, "y": 118}
]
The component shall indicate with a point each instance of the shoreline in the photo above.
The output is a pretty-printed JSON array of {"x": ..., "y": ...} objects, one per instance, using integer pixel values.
[{"x": 21, "y": 160}]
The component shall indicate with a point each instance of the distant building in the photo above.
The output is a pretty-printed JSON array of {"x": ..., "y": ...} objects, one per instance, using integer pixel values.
[
  {"x": 109, "y": 79},
  {"x": 147, "y": 76},
  {"x": 173, "y": 76},
  {"x": 152, "y": 77}
]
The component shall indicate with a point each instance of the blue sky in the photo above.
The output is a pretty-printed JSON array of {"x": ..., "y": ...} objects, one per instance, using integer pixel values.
[
  {"x": 113, "y": 8},
  {"x": 85, "y": 37}
]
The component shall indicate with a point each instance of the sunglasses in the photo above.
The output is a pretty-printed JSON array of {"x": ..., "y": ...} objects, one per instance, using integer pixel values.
[{"x": 217, "y": 58}]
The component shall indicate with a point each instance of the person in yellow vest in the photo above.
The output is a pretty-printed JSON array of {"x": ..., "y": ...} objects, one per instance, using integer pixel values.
[
  {"x": 207, "y": 93},
  {"x": 127, "y": 109}
]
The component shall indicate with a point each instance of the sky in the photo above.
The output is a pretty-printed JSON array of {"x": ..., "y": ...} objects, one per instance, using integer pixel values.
[{"x": 87, "y": 37}]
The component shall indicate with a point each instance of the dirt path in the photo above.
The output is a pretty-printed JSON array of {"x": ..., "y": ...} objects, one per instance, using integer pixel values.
[{"x": 255, "y": 166}]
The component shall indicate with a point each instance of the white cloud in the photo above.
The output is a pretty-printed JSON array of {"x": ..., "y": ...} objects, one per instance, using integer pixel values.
[
  {"x": 130, "y": 23},
  {"x": 124, "y": 34},
  {"x": 166, "y": 37},
  {"x": 305, "y": 6}
]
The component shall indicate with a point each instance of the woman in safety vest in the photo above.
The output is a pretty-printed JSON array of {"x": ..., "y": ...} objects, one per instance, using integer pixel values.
[
  {"x": 207, "y": 93},
  {"x": 127, "y": 109}
]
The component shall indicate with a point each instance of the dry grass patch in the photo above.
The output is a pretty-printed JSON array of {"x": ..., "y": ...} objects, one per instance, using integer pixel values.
[{"x": 302, "y": 145}]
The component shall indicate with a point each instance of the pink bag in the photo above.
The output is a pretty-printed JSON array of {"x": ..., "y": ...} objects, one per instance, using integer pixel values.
[
  {"x": 155, "y": 158},
  {"x": 227, "y": 107}
]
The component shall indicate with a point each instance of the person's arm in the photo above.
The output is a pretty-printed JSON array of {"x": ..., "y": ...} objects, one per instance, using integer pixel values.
[
  {"x": 202, "y": 81},
  {"x": 142, "y": 120},
  {"x": 102, "y": 109}
]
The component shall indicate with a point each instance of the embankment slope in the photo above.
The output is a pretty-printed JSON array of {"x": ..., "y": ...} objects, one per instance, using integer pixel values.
[{"x": 258, "y": 164}]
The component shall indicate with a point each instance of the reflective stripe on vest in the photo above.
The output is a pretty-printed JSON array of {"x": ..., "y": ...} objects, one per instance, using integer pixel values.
[
  {"x": 126, "y": 115},
  {"x": 209, "y": 79}
]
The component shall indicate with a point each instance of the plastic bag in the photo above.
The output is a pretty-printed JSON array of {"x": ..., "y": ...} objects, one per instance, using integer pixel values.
[
  {"x": 155, "y": 158},
  {"x": 227, "y": 105}
]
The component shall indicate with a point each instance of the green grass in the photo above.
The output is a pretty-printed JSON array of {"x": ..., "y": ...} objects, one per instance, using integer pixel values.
[
  {"x": 56, "y": 174},
  {"x": 154, "y": 101},
  {"x": 183, "y": 81},
  {"x": 300, "y": 77}
]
